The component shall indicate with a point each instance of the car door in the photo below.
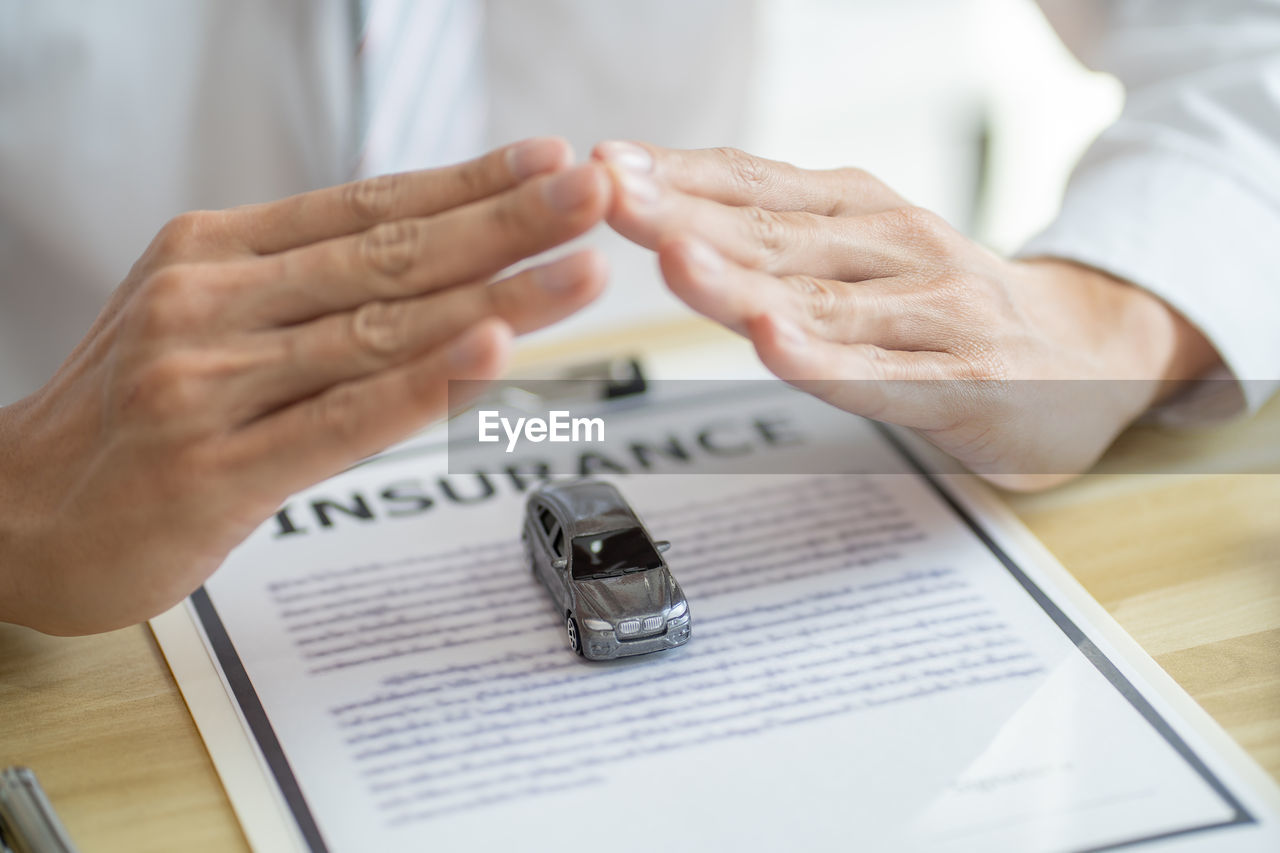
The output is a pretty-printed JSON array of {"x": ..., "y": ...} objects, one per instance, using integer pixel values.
[
  {"x": 544, "y": 527},
  {"x": 560, "y": 577},
  {"x": 531, "y": 538}
]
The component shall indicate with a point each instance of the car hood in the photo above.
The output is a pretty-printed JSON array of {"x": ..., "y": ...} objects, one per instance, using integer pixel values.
[{"x": 625, "y": 596}]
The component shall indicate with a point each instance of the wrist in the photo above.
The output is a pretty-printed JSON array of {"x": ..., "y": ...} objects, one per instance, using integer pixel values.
[{"x": 1134, "y": 334}]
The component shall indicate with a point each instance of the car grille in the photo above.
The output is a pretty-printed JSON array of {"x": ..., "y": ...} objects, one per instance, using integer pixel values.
[{"x": 633, "y": 627}]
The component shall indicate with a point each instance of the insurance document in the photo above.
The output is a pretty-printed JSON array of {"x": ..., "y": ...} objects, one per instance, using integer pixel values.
[{"x": 878, "y": 661}]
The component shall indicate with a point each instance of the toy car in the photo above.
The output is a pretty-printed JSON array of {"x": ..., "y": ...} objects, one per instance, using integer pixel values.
[{"x": 604, "y": 572}]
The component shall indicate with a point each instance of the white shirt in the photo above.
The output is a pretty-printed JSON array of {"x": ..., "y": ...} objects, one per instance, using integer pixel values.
[
  {"x": 115, "y": 117},
  {"x": 1182, "y": 194}
]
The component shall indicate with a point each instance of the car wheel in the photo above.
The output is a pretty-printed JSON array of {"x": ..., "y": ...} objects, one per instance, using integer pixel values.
[{"x": 575, "y": 641}]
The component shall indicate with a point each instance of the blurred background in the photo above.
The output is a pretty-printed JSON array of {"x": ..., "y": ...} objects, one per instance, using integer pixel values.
[
  {"x": 116, "y": 117},
  {"x": 973, "y": 108}
]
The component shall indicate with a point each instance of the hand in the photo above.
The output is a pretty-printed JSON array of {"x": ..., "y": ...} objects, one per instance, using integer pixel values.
[
  {"x": 254, "y": 351},
  {"x": 882, "y": 309}
]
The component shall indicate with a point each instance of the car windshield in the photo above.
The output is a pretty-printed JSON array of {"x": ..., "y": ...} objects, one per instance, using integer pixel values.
[{"x": 613, "y": 553}]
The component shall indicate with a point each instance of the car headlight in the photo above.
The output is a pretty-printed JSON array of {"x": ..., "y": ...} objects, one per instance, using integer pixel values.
[
  {"x": 678, "y": 611},
  {"x": 596, "y": 625}
]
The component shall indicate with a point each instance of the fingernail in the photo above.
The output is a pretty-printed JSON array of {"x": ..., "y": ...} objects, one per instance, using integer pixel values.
[
  {"x": 468, "y": 351},
  {"x": 788, "y": 333},
  {"x": 535, "y": 156},
  {"x": 639, "y": 189},
  {"x": 706, "y": 261},
  {"x": 559, "y": 276},
  {"x": 626, "y": 156},
  {"x": 569, "y": 191}
]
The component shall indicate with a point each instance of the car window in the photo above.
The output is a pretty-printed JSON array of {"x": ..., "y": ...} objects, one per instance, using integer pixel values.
[
  {"x": 613, "y": 553},
  {"x": 547, "y": 519},
  {"x": 558, "y": 543}
]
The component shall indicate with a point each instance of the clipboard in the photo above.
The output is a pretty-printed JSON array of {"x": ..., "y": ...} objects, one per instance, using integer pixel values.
[{"x": 270, "y": 819}]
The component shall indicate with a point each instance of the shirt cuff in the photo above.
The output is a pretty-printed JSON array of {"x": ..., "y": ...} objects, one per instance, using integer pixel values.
[{"x": 1198, "y": 239}]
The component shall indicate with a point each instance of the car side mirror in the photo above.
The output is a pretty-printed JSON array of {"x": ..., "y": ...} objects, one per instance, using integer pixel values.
[
  {"x": 662, "y": 545},
  {"x": 560, "y": 563}
]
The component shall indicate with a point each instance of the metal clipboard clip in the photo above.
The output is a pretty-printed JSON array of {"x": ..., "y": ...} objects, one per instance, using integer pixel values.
[{"x": 594, "y": 381}]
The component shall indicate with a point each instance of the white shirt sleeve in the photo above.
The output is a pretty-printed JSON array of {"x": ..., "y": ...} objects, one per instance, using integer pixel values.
[{"x": 1181, "y": 195}]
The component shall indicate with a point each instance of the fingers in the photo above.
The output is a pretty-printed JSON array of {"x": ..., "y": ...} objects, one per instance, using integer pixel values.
[
  {"x": 845, "y": 248},
  {"x": 349, "y": 208},
  {"x": 303, "y": 360},
  {"x": 320, "y": 436},
  {"x": 411, "y": 257},
  {"x": 886, "y": 312},
  {"x": 734, "y": 177},
  {"x": 912, "y": 389}
]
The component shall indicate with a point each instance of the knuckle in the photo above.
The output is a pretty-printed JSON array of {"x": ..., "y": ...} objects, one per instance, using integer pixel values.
[
  {"x": 853, "y": 177},
  {"x": 876, "y": 361},
  {"x": 919, "y": 227},
  {"x": 377, "y": 328},
  {"x": 747, "y": 171},
  {"x": 819, "y": 298},
  {"x": 983, "y": 362},
  {"x": 856, "y": 186},
  {"x": 185, "y": 234},
  {"x": 768, "y": 235},
  {"x": 475, "y": 179},
  {"x": 391, "y": 248},
  {"x": 372, "y": 200},
  {"x": 511, "y": 215},
  {"x": 336, "y": 413},
  {"x": 171, "y": 300}
]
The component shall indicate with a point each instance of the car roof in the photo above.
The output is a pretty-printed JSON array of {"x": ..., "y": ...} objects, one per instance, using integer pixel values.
[{"x": 589, "y": 507}]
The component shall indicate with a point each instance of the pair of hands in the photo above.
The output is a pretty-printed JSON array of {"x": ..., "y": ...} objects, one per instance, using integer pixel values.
[{"x": 255, "y": 351}]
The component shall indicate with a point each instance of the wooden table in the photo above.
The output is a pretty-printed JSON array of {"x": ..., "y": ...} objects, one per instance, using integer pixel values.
[{"x": 1188, "y": 563}]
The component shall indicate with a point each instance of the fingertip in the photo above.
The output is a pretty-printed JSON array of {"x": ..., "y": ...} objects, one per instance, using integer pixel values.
[
  {"x": 761, "y": 332},
  {"x": 599, "y": 199},
  {"x": 538, "y": 156},
  {"x": 636, "y": 200},
  {"x": 602, "y": 189},
  {"x": 568, "y": 155},
  {"x": 599, "y": 152},
  {"x": 595, "y": 270},
  {"x": 637, "y": 194},
  {"x": 580, "y": 195},
  {"x": 782, "y": 333},
  {"x": 781, "y": 345},
  {"x": 482, "y": 351},
  {"x": 691, "y": 265},
  {"x": 626, "y": 156},
  {"x": 499, "y": 338},
  {"x": 763, "y": 336},
  {"x": 624, "y": 216}
]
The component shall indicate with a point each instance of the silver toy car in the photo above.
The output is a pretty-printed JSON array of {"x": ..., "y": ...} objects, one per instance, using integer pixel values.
[{"x": 604, "y": 572}]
